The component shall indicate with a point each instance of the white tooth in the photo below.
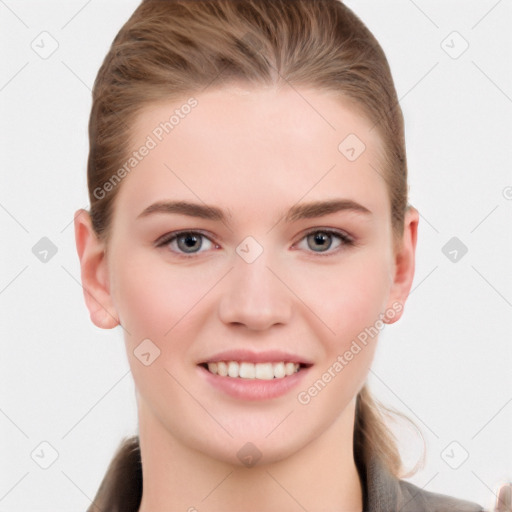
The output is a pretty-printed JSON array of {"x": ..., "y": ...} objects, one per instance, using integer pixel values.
[
  {"x": 279, "y": 371},
  {"x": 289, "y": 368},
  {"x": 264, "y": 371},
  {"x": 233, "y": 369},
  {"x": 222, "y": 368},
  {"x": 247, "y": 371}
]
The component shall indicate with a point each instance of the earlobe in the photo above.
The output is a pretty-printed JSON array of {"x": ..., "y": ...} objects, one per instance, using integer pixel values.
[
  {"x": 404, "y": 264},
  {"x": 94, "y": 272}
]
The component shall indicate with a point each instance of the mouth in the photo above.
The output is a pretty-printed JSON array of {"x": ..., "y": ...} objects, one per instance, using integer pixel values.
[
  {"x": 253, "y": 375},
  {"x": 254, "y": 371}
]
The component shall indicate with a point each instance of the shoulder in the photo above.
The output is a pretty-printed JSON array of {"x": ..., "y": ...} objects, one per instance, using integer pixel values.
[
  {"x": 385, "y": 492},
  {"x": 415, "y": 499}
]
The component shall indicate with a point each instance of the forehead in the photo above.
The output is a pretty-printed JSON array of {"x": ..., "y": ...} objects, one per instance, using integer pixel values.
[{"x": 242, "y": 147}]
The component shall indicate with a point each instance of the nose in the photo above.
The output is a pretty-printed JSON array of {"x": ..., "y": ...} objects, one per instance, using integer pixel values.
[{"x": 255, "y": 295}]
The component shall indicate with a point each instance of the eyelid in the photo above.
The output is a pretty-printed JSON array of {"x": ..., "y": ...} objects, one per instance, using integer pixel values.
[
  {"x": 332, "y": 231},
  {"x": 171, "y": 235},
  {"x": 166, "y": 239},
  {"x": 347, "y": 240}
]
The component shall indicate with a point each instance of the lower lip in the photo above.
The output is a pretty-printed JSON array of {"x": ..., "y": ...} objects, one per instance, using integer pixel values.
[{"x": 253, "y": 389}]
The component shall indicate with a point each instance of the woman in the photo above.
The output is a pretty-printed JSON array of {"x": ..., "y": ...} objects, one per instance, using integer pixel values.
[{"x": 249, "y": 230}]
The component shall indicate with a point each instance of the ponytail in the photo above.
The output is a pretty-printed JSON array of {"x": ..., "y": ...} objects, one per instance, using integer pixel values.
[{"x": 373, "y": 439}]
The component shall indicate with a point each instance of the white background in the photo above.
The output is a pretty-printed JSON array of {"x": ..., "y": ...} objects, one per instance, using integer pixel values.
[{"x": 446, "y": 364}]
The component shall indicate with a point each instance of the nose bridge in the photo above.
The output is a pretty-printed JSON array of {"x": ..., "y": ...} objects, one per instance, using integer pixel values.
[{"x": 253, "y": 295}]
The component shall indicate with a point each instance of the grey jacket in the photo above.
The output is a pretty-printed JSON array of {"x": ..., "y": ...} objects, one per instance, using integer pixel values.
[
  {"x": 121, "y": 488},
  {"x": 383, "y": 492}
]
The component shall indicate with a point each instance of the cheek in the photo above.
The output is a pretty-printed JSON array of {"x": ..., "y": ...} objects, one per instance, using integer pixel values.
[
  {"x": 347, "y": 298},
  {"x": 162, "y": 303},
  {"x": 152, "y": 297},
  {"x": 351, "y": 307},
  {"x": 155, "y": 302},
  {"x": 141, "y": 300}
]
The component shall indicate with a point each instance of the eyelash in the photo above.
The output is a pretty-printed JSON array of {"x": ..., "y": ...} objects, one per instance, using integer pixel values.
[{"x": 345, "y": 239}]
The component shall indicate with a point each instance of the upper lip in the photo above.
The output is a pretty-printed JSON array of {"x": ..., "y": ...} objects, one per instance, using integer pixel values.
[{"x": 269, "y": 356}]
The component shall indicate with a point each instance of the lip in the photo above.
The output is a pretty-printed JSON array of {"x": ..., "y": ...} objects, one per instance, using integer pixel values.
[
  {"x": 252, "y": 389},
  {"x": 269, "y": 356}
]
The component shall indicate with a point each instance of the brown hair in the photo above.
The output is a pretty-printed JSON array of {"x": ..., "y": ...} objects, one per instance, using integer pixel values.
[{"x": 171, "y": 49}]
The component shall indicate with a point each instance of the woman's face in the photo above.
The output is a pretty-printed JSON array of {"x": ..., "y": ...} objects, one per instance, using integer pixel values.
[{"x": 293, "y": 263}]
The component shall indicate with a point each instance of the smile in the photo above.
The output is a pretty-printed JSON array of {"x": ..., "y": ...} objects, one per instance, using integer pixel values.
[
  {"x": 247, "y": 370},
  {"x": 260, "y": 386}
]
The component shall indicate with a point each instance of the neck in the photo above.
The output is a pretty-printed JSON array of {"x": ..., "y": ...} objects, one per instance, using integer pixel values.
[{"x": 318, "y": 477}]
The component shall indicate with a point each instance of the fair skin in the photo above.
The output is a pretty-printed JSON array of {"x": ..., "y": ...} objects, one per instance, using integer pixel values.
[{"x": 254, "y": 153}]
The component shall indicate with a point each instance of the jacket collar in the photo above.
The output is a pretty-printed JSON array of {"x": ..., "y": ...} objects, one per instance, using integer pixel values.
[{"x": 381, "y": 489}]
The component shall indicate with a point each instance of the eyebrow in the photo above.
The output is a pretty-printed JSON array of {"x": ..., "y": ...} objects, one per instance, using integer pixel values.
[{"x": 297, "y": 212}]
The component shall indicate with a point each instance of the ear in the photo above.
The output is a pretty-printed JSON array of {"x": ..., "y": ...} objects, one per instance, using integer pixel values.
[
  {"x": 94, "y": 272},
  {"x": 404, "y": 263}
]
